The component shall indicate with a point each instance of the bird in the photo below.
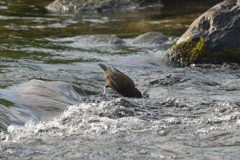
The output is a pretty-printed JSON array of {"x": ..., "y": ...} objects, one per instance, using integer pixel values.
[{"x": 120, "y": 82}]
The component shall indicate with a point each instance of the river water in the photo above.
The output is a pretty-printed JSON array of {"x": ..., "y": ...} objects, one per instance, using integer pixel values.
[{"x": 52, "y": 104}]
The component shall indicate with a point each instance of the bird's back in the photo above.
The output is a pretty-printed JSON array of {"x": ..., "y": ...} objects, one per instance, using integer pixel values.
[{"x": 120, "y": 79}]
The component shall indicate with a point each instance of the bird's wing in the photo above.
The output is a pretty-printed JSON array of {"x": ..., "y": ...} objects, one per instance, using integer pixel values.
[
  {"x": 130, "y": 81},
  {"x": 117, "y": 70},
  {"x": 119, "y": 79},
  {"x": 113, "y": 75}
]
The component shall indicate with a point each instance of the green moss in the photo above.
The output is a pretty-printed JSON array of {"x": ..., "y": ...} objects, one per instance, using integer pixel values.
[
  {"x": 227, "y": 55},
  {"x": 188, "y": 52}
]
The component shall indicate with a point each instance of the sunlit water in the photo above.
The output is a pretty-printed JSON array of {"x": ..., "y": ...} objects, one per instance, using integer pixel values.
[{"x": 52, "y": 103}]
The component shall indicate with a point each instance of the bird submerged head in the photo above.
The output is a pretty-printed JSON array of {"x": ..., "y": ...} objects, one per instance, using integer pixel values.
[{"x": 136, "y": 93}]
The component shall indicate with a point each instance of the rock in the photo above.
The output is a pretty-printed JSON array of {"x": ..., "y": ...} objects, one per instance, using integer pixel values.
[
  {"x": 77, "y": 6},
  {"x": 150, "y": 38},
  {"x": 101, "y": 40},
  {"x": 169, "y": 80},
  {"x": 218, "y": 27}
]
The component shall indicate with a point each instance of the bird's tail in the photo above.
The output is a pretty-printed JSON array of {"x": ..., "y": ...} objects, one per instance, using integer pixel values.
[{"x": 103, "y": 66}]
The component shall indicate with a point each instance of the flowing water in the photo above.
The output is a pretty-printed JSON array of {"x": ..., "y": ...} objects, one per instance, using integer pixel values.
[{"x": 52, "y": 104}]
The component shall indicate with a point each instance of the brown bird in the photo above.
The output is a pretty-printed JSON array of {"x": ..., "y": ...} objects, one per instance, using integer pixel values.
[{"x": 120, "y": 82}]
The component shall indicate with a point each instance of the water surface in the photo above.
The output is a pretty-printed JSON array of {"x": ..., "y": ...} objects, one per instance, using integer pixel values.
[{"x": 52, "y": 104}]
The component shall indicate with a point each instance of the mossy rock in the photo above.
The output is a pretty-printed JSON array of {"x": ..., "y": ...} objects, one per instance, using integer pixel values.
[
  {"x": 186, "y": 53},
  {"x": 227, "y": 55},
  {"x": 218, "y": 27}
]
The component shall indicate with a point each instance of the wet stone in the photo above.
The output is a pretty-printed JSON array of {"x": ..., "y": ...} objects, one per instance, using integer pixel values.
[
  {"x": 150, "y": 38},
  {"x": 101, "y": 40},
  {"x": 218, "y": 27},
  {"x": 169, "y": 80},
  {"x": 70, "y": 6}
]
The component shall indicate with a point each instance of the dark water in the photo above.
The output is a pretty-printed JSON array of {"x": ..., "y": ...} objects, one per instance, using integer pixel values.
[{"x": 51, "y": 98}]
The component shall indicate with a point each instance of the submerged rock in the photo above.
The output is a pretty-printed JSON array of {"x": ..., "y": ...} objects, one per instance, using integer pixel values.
[
  {"x": 77, "y": 6},
  {"x": 169, "y": 80},
  {"x": 45, "y": 100},
  {"x": 150, "y": 38},
  {"x": 100, "y": 40},
  {"x": 219, "y": 28}
]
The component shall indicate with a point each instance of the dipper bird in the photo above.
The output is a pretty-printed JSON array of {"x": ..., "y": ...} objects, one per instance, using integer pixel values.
[{"x": 120, "y": 82}]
